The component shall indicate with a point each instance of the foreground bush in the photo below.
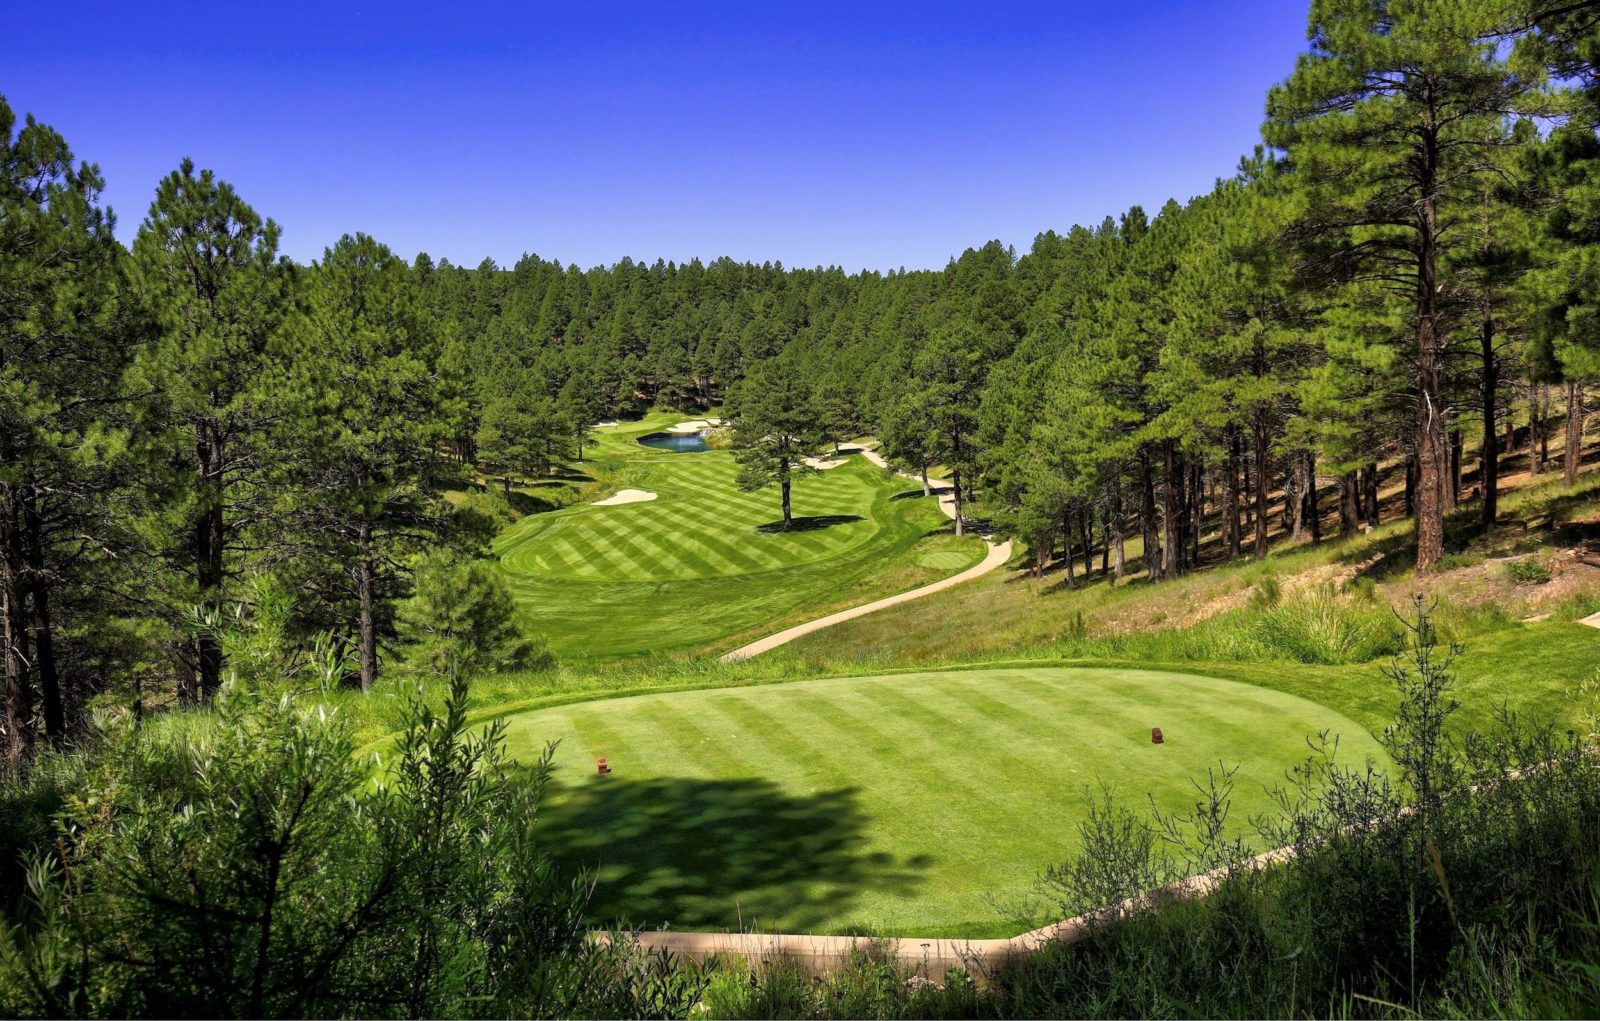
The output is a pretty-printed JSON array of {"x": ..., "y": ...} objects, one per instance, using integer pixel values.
[{"x": 255, "y": 869}]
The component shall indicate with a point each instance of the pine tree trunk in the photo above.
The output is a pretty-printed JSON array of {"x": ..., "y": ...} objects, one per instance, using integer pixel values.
[
  {"x": 1086, "y": 533},
  {"x": 1432, "y": 412},
  {"x": 44, "y": 645},
  {"x": 1349, "y": 513},
  {"x": 1577, "y": 412},
  {"x": 1538, "y": 430},
  {"x": 1261, "y": 480},
  {"x": 955, "y": 477},
  {"x": 1147, "y": 518},
  {"x": 926, "y": 489},
  {"x": 1313, "y": 498},
  {"x": 1294, "y": 497},
  {"x": 208, "y": 538},
  {"x": 1170, "y": 542},
  {"x": 1411, "y": 485},
  {"x": 19, "y": 724},
  {"x": 1369, "y": 480},
  {"x": 1114, "y": 522},
  {"x": 1457, "y": 449},
  {"x": 1197, "y": 514},
  {"x": 1489, "y": 456},
  {"x": 365, "y": 597},
  {"x": 1230, "y": 496},
  {"x": 784, "y": 483},
  {"x": 1066, "y": 550}
]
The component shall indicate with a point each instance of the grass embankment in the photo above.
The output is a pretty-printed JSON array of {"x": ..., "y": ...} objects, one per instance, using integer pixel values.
[
  {"x": 1325, "y": 604},
  {"x": 919, "y": 804},
  {"x": 704, "y": 566}
]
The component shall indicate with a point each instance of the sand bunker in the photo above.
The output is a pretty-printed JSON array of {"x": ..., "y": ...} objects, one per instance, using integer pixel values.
[
  {"x": 696, "y": 425},
  {"x": 626, "y": 496}
]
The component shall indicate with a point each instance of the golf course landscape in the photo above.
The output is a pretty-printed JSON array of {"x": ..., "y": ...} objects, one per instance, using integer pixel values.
[
  {"x": 702, "y": 564},
  {"x": 919, "y": 804},
  {"x": 771, "y": 511}
]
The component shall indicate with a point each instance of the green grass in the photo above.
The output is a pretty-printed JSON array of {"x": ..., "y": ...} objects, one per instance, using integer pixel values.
[
  {"x": 917, "y": 804},
  {"x": 704, "y": 564}
]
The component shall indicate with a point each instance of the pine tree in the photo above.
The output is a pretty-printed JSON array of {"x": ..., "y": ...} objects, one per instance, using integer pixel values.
[
  {"x": 204, "y": 266},
  {"x": 62, "y": 351},
  {"x": 774, "y": 429},
  {"x": 1389, "y": 123},
  {"x": 369, "y": 441}
]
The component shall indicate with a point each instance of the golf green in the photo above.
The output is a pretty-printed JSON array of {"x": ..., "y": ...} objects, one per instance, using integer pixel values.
[
  {"x": 703, "y": 561},
  {"x": 920, "y": 804}
]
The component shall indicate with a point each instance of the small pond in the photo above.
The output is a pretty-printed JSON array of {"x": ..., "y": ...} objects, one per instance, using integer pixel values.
[{"x": 678, "y": 443}]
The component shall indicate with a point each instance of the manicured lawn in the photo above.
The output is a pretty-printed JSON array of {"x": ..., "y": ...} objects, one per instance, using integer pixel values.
[
  {"x": 914, "y": 804},
  {"x": 703, "y": 562}
]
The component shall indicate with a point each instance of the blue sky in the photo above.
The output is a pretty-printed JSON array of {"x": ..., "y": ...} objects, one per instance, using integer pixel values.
[{"x": 861, "y": 135}]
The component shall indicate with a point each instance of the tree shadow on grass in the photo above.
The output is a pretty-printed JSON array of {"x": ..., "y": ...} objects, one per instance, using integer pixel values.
[
  {"x": 719, "y": 854},
  {"x": 812, "y": 524}
]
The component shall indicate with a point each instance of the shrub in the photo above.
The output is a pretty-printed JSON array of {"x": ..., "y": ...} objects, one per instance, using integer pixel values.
[
  {"x": 461, "y": 619},
  {"x": 1266, "y": 593},
  {"x": 1527, "y": 572},
  {"x": 1318, "y": 627},
  {"x": 255, "y": 869}
]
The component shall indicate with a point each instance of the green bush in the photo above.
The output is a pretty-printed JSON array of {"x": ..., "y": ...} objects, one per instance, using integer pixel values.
[
  {"x": 461, "y": 619},
  {"x": 1527, "y": 572},
  {"x": 254, "y": 868}
]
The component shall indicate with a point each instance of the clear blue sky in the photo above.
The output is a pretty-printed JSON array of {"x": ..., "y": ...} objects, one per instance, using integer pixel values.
[{"x": 858, "y": 134}]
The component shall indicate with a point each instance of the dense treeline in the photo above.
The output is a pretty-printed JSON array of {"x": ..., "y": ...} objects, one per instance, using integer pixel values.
[{"x": 1402, "y": 279}]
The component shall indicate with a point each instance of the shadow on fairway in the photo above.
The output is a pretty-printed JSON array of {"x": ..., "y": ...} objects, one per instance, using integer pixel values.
[
  {"x": 808, "y": 524},
  {"x": 719, "y": 854}
]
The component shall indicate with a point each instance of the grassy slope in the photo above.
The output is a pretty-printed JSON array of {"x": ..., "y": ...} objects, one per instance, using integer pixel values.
[
  {"x": 920, "y": 803},
  {"x": 1532, "y": 665},
  {"x": 702, "y": 566}
]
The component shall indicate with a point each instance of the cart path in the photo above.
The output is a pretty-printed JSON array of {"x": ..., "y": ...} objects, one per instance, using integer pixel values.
[{"x": 999, "y": 553}]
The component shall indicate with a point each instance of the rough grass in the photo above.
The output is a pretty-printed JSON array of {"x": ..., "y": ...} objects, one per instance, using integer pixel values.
[
  {"x": 704, "y": 564},
  {"x": 922, "y": 804}
]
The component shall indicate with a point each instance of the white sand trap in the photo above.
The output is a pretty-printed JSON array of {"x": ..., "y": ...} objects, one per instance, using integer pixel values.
[
  {"x": 626, "y": 496},
  {"x": 694, "y": 426},
  {"x": 824, "y": 465},
  {"x": 606, "y": 425}
]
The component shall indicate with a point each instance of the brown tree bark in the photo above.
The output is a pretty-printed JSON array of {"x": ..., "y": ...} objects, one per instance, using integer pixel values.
[
  {"x": 1432, "y": 413},
  {"x": 43, "y": 630},
  {"x": 18, "y": 693},
  {"x": 1577, "y": 412},
  {"x": 1261, "y": 480},
  {"x": 1489, "y": 398},
  {"x": 209, "y": 535}
]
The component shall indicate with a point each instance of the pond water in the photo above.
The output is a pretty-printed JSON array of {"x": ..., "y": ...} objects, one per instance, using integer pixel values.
[{"x": 678, "y": 443}]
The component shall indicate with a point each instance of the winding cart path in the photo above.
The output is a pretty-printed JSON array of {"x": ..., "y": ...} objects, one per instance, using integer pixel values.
[{"x": 999, "y": 553}]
